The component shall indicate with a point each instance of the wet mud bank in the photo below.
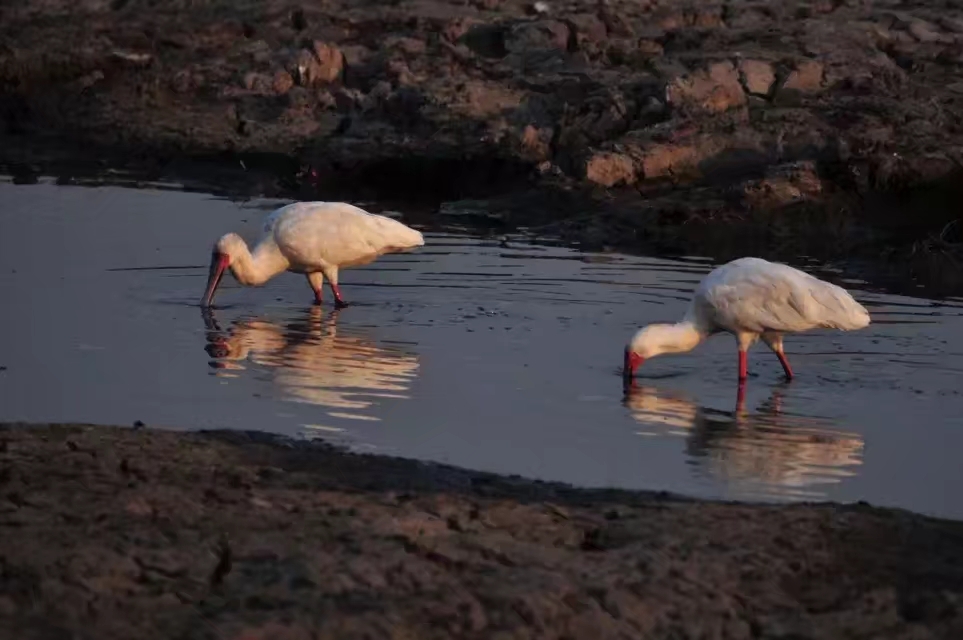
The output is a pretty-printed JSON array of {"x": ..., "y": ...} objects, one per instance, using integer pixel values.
[
  {"x": 811, "y": 127},
  {"x": 118, "y": 532}
]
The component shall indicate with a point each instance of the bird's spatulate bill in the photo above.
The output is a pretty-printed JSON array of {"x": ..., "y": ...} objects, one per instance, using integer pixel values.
[
  {"x": 219, "y": 263},
  {"x": 630, "y": 363}
]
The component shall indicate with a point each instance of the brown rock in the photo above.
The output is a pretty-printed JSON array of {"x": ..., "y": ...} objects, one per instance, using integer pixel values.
[
  {"x": 620, "y": 51},
  {"x": 537, "y": 35},
  {"x": 325, "y": 99},
  {"x": 377, "y": 96},
  {"x": 758, "y": 76},
  {"x": 305, "y": 68},
  {"x": 930, "y": 167},
  {"x": 330, "y": 61},
  {"x": 715, "y": 89},
  {"x": 783, "y": 186},
  {"x": 535, "y": 144},
  {"x": 767, "y": 195},
  {"x": 807, "y": 77},
  {"x": 483, "y": 100},
  {"x": 588, "y": 28},
  {"x": 602, "y": 117},
  {"x": 459, "y": 27},
  {"x": 138, "y": 507},
  {"x": 880, "y": 34},
  {"x": 710, "y": 18},
  {"x": 410, "y": 46},
  {"x": 88, "y": 80},
  {"x": 925, "y": 32},
  {"x": 668, "y": 68},
  {"x": 399, "y": 72},
  {"x": 667, "y": 160},
  {"x": 282, "y": 82},
  {"x": 259, "y": 82},
  {"x": 299, "y": 98},
  {"x": 952, "y": 24},
  {"x": 346, "y": 100},
  {"x": 355, "y": 55},
  {"x": 609, "y": 169},
  {"x": 615, "y": 23},
  {"x": 748, "y": 19},
  {"x": 261, "y": 503},
  {"x": 259, "y": 50},
  {"x": 670, "y": 19},
  {"x": 183, "y": 81},
  {"x": 274, "y": 631},
  {"x": 649, "y": 48}
]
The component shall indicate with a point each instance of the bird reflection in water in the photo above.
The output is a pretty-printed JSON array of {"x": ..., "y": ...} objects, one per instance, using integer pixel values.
[
  {"x": 311, "y": 362},
  {"x": 765, "y": 451}
]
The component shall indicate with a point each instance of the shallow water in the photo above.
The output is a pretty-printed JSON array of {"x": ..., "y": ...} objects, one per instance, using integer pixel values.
[{"x": 490, "y": 356}]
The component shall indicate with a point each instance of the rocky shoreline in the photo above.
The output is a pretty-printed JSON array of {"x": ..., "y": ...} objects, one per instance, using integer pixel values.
[
  {"x": 118, "y": 533},
  {"x": 822, "y": 127}
]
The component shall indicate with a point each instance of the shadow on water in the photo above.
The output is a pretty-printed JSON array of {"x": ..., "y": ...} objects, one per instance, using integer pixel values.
[{"x": 311, "y": 362}]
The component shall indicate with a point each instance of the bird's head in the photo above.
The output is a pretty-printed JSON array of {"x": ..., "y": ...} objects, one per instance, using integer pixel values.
[
  {"x": 651, "y": 341},
  {"x": 225, "y": 250}
]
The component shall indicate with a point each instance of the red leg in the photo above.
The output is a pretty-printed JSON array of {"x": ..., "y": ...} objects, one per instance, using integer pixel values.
[
  {"x": 785, "y": 364},
  {"x": 338, "y": 300},
  {"x": 741, "y": 397},
  {"x": 743, "y": 366},
  {"x": 317, "y": 282}
]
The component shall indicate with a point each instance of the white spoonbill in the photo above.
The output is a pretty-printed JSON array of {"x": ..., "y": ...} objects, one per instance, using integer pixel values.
[
  {"x": 313, "y": 238},
  {"x": 750, "y": 298}
]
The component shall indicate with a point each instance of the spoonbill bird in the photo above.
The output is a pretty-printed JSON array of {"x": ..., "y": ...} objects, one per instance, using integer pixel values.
[
  {"x": 313, "y": 238},
  {"x": 750, "y": 298}
]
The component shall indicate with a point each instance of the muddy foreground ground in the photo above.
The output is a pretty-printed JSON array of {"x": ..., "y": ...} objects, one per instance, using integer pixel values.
[{"x": 124, "y": 533}]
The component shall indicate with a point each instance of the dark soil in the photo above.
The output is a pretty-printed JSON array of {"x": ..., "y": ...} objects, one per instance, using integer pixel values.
[
  {"x": 821, "y": 127},
  {"x": 136, "y": 533}
]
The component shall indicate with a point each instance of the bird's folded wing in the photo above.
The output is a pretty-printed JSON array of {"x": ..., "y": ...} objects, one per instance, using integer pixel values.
[{"x": 767, "y": 303}]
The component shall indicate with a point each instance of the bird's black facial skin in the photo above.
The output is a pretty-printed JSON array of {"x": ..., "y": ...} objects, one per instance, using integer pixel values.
[{"x": 630, "y": 362}]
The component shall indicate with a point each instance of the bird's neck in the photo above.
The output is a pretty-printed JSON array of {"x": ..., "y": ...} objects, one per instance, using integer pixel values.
[
  {"x": 259, "y": 267},
  {"x": 681, "y": 337}
]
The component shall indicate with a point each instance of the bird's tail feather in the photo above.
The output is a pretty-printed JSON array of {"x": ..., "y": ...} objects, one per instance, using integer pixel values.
[{"x": 848, "y": 315}]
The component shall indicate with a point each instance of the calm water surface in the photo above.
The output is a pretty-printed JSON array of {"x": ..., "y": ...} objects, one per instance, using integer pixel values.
[{"x": 497, "y": 357}]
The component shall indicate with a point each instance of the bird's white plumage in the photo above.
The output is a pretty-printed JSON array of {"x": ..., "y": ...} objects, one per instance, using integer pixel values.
[
  {"x": 323, "y": 235},
  {"x": 754, "y": 295}
]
